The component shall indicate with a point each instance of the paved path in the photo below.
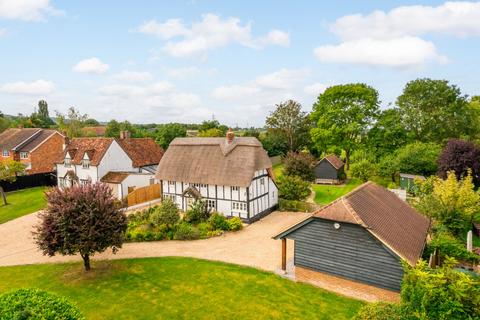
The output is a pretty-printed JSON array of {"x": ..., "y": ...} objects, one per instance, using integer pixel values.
[{"x": 252, "y": 246}]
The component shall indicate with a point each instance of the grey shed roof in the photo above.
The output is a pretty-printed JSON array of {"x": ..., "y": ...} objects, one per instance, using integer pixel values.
[{"x": 213, "y": 161}]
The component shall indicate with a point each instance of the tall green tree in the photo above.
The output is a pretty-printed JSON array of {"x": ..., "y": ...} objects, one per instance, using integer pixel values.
[
  {"x": 387, "y": 134},
  {"x": 342, "y": 115},
  {"x": 165, "y": 133},
  {"x": 41, "y": 117},
  {"x": 435, "y": 110},
  {"x": 72, "y": 122},
  {"x": 292, "y": 123},
  {"x": 4, "y": 122},
  {"x": 114, "y": 127}
]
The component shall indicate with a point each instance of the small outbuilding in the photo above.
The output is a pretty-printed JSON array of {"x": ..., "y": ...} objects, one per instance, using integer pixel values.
[
  {"x": 362, "y": 237},
  {"x": 407, "y": 181},
  {"x": 329, "y": 170}
]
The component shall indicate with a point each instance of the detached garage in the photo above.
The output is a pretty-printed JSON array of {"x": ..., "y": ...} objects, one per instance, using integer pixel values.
[{"x": 362, "y": 236}]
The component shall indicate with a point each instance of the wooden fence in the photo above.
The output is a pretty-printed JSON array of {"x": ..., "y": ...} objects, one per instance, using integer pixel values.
[{"x": 144, "y": 194}]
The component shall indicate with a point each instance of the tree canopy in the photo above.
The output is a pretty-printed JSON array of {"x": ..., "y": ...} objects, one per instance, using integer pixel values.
[
  {"x": 165, "y": 133},
  {"x": 291, "y": 123},
  {"x": 434, "y": 110},
  {"x": 342, "y": 116},
  {"x": 9, "y": 169},
  {"x": 81, "y": 219}
]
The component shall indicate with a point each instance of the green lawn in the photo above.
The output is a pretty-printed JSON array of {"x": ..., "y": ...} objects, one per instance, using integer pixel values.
[
  {"x": 21, "y": 203},
  {"x": 179, "y": 288},
  {"x": 324, "y": 194}
]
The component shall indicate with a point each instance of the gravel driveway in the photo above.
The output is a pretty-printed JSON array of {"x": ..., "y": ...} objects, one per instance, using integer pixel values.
[{"x": 252, "y": 246}]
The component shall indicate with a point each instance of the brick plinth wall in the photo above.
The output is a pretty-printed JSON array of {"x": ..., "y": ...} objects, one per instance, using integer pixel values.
[{"x": 344, "y": 286}]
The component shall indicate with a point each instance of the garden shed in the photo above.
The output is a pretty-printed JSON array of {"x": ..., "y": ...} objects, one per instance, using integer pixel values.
[
  {"x": 407, "y": 181},
  {"x": 329, "y": 170},
  {"x": 362, "y": 236}
]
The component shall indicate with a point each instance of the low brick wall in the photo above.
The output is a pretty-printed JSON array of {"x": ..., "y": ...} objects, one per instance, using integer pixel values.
[{"x": 346, "y": 287}]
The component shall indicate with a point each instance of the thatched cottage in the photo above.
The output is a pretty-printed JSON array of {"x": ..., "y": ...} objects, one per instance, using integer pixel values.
[{"x": 233, "y": 174}]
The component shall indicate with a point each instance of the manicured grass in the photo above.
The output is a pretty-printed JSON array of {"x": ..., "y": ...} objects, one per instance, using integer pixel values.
[
  {"x": 179, "y": 288},
  {"x": 22, "y": 202},
  {"x": 278, "y": 169},
  {"x": 324, "y": 194}
]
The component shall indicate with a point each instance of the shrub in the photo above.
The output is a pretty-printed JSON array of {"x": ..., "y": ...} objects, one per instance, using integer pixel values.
[
  {"x": 418, "y": 158},
  {"x": 235, "y": 224},
  {"x": 299, "y": 164},
  {"x": 197, "y": 213},
  {"x": 214, "y": 233},
  {"x": 166, "y": 213},
  {"x": 185, "y": 231},
  {"x": 293, "y": 188},
  {"x": 36, "y": 304},
  {"x": 448, "y": 245},
  {"x": 441, "y": 293},
  {"x": 363, "y": 170},
  {"x": 203, "y": 229},
  {"x": 218, "y": 221},
  {"x": 379, "y": 311},
  {"x": 462, "y": 157}
]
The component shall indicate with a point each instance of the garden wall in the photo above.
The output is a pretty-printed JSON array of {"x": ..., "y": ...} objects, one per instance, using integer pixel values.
[{"x": 30, "y": 181}]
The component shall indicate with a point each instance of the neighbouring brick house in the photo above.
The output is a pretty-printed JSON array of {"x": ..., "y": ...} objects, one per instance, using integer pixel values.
[
  {"x": 124, "y": 164},
  {"x": 36, "y": 148}
]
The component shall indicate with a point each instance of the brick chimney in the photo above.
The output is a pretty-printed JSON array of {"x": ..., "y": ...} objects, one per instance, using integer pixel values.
[
  {"x": 125, "y": 134},
  {"x": 230, "y": 135}
]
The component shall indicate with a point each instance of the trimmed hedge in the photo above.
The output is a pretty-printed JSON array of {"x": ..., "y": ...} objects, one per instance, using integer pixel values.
[
  {"x": 294, "y": 205},
  {"x": 34, "y": 304}
]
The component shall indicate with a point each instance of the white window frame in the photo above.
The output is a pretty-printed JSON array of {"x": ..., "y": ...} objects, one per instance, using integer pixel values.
[
  {"x": 262, "y": 181},
  {"x": 86, "y": 164},
  {"x": 23, "y": 154},
  {"x": 5, "y": 153},
  {"x": 170, "y": 196},
  {"x": 171, "y": 183},
  {"x": 235, "y": 188},
  {"x": 83, "y": 182},
  {"x": 239, "y": 206},
  {"x": 67, "y": 162}
]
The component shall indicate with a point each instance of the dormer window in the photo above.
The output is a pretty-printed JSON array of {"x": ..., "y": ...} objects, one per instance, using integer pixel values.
[
  {"x": 23, "y": 155},
  {"x": 85, "y": 163},
  {"x": 5, "y": 153},
  {"x": 68, "y": 162}
]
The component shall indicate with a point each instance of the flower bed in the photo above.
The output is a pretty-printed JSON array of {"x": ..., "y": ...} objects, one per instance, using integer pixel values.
[{"x": 163, "y": 222}]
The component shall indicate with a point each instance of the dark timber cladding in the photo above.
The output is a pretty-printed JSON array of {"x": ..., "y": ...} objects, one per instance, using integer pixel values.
[
  {"x": 349, "y": 252},
  {"x": 362, "y": 236},
  {"x": 330, "y": 167}
]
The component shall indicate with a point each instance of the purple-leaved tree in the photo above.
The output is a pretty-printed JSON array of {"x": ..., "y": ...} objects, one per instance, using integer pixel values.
[
  {"x": 81, "y": 219},
  {"x": 460, "y": 156}
]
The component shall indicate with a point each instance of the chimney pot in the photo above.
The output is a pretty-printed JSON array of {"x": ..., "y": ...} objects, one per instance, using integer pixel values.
[
  {"x": 230, "y": 135},
  {"x": 125, "y": 134}
]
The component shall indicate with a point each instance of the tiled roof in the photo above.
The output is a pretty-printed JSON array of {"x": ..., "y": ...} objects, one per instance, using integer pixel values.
[
  {"x": 12, "y": 137},
  {"x": 389, "y": 219},
  {"x": 95, "y": 148},
  {"x": 115, "y": 177},
  {"x": 213, "y": 161},
  {"x": 142, "y": 151},
  {"x": 335, "y": 161},
  {"x": 37, "y": 140}
]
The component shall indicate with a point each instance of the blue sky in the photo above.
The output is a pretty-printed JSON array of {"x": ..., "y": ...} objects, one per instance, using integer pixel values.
[{"x": 186, "y": 61}]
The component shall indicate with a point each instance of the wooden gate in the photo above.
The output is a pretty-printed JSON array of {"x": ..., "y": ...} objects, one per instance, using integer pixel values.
[{"x": 144, "y": 194}]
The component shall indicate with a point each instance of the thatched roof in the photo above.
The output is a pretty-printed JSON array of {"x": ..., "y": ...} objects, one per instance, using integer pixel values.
[
  {"x": 213, "y": 161},
  {"x": 389, "y": 219}
]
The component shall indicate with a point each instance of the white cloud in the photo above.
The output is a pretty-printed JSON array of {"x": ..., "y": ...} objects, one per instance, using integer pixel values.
[
  {"x": 167, "y": 30},
  {"x": 161, "y": 97},
  {"x": 281, "y": 80},
  {"x": 460, "y": 19},
  {"x": 91, "y": 65},
  {"x": 209, "y": 33},
  {"x": 315, "y": 89},
  {"x": 3, "y": 32},
  {"x": 38, "y": 87},
  {"x": 133, "y": 76},
  {"x": 402, "y": 52},
  {"x": 27, "y": 10},
  {"x": 183, "y": 72},
  {"x": 393, "y": 38}
]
